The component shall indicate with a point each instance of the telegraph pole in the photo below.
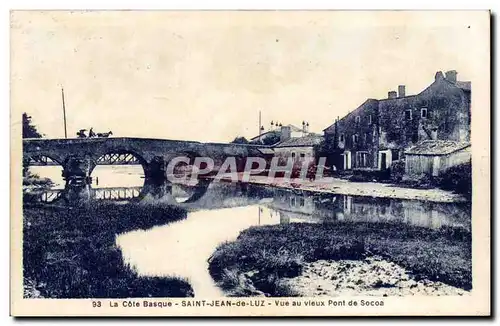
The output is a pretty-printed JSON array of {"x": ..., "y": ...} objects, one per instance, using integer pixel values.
[
  {"x": 260, "y": 124},
  {"x": 64, "y": 113}
]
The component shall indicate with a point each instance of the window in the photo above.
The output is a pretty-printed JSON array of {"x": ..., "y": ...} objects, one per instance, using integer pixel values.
[
  {"x": 408, "y": 114},
  {"x": 361, "y": 159},
  {"x": 301, "y": 202},
  {"x": 366, "y": 137},
  {"x": 370, "y": 119},
  {"x": 302, "y": 156},
  {"x": 414, "y": 137},
  {"x": 293, "y": 155},
  {"x": 423, "y": 113},
  {"x": 358, "y": 119},
  {"x": 395, "y": 154},
  {"x": 355, "y": 139},
  {"x": 342, "y": 138}
]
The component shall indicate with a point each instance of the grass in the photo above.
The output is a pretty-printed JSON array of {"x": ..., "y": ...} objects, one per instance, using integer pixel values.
[
  {"x": 268, "y": 253},
  {"x": 71, "y": 252}
]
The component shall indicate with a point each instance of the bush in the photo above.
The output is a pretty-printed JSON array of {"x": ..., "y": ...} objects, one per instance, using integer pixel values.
[
  {"x": 397, "y": 171},
  {"x": 457, "y": 178},
  {"x": 369, "y": 175},
  {"x": 423, "y": 181}
]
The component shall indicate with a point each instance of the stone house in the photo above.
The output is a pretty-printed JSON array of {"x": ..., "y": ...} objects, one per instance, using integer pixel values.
[{"x": 379, "y": 131}]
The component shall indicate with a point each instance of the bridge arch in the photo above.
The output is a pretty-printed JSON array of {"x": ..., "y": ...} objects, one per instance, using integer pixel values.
[
  {"x": 119, "y": 156},
  {"x": 42, "y": 159},
  {"x": 100, "y": 176}
]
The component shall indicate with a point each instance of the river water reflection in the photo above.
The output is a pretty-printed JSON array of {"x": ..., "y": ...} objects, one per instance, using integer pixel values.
[{"x": 218, "y": 212}]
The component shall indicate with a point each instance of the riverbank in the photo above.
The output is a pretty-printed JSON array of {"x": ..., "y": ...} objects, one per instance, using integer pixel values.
[
  {"x": 71, "y": 252},
  {"x": 284, "y": 260},
  {"x": 367, "y": 189}
]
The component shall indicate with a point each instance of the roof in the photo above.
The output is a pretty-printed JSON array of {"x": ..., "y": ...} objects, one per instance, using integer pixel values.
[
  {"x": 463, "y": 85},
  {"x": 278, "y": 131},
  {"x": 436, "y": 147},
  {"x": 309, "y": 140},
  {"x": 265, "y": 134},
  {"x": 293, "y": 128}
]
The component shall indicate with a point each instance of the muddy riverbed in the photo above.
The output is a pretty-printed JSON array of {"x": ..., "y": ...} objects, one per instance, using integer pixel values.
[{"x": 372, "y": 276}]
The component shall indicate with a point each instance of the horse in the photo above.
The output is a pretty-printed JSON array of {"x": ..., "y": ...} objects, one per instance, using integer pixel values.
[{"x": 104, "y": 134}]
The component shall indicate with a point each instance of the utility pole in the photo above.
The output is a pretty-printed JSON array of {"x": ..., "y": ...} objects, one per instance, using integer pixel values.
[
  {"x": 64, "y": 113},
  {"x": 260, "y": 124}
]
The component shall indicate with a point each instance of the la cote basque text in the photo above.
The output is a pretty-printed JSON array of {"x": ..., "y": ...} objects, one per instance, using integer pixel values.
[{"x": 237, "y": 303}]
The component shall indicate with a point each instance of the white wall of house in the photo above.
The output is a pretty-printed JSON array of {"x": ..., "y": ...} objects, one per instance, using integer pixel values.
[
  {"x": 299, "y": 152},
  {"x": 347, "y": 158},
  {"x": 297, "y": 134},
  {"x": 456, "y": 158}
]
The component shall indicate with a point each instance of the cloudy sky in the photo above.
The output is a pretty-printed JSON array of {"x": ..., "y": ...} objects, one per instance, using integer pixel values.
[{"x": 205, "y": 75}]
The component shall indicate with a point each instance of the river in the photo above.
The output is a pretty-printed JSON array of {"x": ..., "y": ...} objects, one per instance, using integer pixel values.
[{"x": 220, "y": 212}]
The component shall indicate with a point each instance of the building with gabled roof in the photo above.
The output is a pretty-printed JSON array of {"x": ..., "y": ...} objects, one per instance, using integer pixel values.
[
  {"x": 380, "y": 130},
  {"x": 432, "y": 157}
]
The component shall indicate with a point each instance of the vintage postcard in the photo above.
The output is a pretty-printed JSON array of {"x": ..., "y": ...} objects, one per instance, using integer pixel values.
[{"x": 250, "y": 163}]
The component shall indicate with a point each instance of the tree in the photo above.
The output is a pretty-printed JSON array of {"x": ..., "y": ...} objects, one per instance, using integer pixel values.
[
  {"x": 29, "y": 130},
  {"x": 271, "y": 139},
  {"x": 240, "y": 140}
]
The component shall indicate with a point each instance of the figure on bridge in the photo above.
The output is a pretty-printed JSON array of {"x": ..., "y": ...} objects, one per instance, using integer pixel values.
[
  {"x": 81, "y": 133},
  {"x": 91, "y": 132}
]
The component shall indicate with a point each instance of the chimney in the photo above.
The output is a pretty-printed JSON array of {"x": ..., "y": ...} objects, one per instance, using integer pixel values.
[
  {"x": 286, "y": 133},
  {"x": 401, "y": 91},
  {"x": 439, "y": 75},
  {"x": 392, "y": 94},
  {"x": 451, "y": 76}
]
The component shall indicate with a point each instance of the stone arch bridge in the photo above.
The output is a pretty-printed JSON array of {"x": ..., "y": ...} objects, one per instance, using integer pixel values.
[{"x": 78, "y": 157}]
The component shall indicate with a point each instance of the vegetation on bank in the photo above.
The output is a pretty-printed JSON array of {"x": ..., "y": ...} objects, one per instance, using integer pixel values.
[
  {"x": 457, "y": 178},
  {"x": 33, "y": 180},
  {"x": 266, "y": 254},
  {"x": 70, "y": 252}
]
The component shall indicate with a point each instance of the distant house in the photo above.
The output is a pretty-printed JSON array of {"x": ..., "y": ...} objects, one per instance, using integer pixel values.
[
  {"x": 279, "y": 133},
  {"x": 379, "y": 131},
  {"x": 433, "y": 157},
  {"x": 298, "y": 148}
]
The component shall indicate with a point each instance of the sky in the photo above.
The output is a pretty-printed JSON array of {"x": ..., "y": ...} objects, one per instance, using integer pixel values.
[{"x": 206, "y": 75}]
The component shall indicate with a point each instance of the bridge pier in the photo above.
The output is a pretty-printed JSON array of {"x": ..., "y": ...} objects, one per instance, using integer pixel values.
[
  {"x": 78, "y": 169},
  {"x": 155, "y": 170}
]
